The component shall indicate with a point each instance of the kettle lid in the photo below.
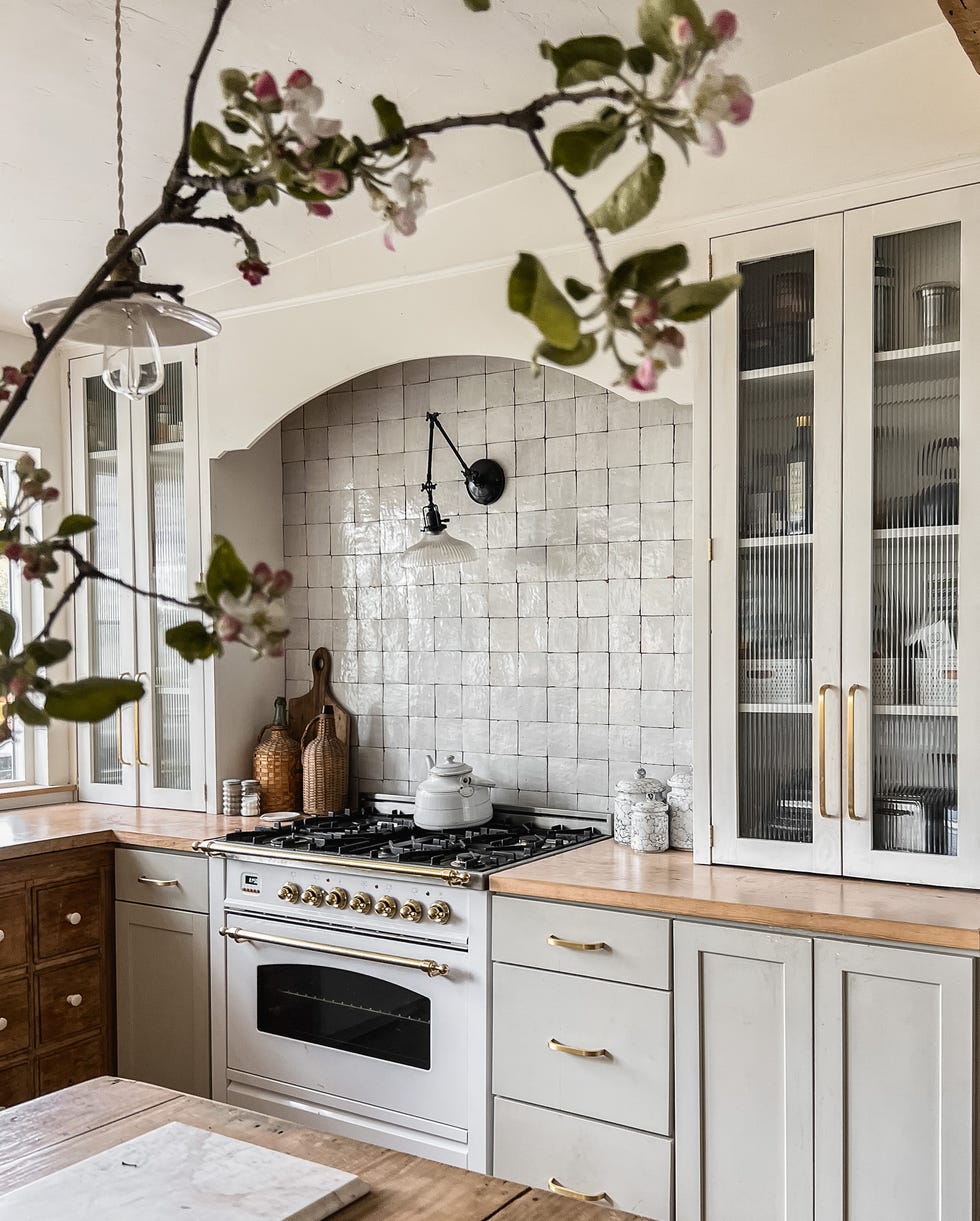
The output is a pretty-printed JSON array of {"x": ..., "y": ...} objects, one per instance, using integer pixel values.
[{"x": 451, "y": 767}]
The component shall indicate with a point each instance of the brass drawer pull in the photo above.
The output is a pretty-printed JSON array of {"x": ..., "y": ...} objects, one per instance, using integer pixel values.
[
  {"x": 561, "y": 1190},
  {"x": 597, "y": 1053},
  {"x": 75, "y": 999},
  {"x": 576, "y": 945},
  {"x": 3, "y": 1024},
  {"x": 74, "y": 918},
  {"x": 158, "y": 881}
]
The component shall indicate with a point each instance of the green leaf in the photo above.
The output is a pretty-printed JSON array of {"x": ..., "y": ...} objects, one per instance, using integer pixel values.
[
  {"x": 654, "y": 24},
  {"x": 234, "y": 82},
  {"x": 213, "y": 153},
  {"x": 91, "y": 699},
  {"x": 531, "y": 292},
  {"x": 689, "y": 302},
  {"x": 226, "y": 572},
  {"x": 477, "y": 6},
  {"x": 584, "y": 59},
  {"x": 584, "y": 350},
  {"x": 640, "y": 59},
  {"x": 577, "y": 290},
  {"x": 234, "y": 121},
  {"x": 635, "y": 197},
  {"x": 648, "y": 271},
  {"x": 8, "y": 632},
  {"x": 584, "y": 146},
  {"x": 389, "y": 120},
  {"x": 29, "y": 712},
  {"x": 47, "y": 652},
  {"x": 75, "y": 523},
  {"x": 193, "y": 641}
]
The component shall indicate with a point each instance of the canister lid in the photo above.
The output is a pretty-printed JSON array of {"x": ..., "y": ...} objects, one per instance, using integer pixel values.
[{"x": 640, "y": 784}]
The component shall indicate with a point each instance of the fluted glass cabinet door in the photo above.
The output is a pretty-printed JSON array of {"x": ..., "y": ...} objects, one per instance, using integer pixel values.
[
  {"x": 775, "y": 574},
  {"x": 912, "y": 433}
]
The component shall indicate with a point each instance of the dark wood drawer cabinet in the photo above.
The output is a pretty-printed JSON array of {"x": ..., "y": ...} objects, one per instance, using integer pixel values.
[{"x": 56, "y": 971}]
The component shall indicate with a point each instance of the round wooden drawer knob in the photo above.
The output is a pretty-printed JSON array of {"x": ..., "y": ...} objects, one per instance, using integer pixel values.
[
  {"x": 74, "y": 917},
  {"x": 74, "y": 1000},
  {"x": 2, "y": 934},
  {"x": 3, "y": 1023}
]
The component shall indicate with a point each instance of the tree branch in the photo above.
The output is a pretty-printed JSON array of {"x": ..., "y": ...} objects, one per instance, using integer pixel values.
[
  {"x": 180, "y": 165},
  {"x": 587, "y": 226}
]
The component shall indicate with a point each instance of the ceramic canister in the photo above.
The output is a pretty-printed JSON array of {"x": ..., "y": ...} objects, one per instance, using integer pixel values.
[
  {"x": 680, "y": 802},
  {"x": 650, "y": 825},
  {"x": 627, "y": 792}
]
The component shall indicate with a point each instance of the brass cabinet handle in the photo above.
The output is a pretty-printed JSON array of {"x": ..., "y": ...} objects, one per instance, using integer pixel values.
[
  {"x": 434, "y": 970},
  {"x": 576, "y": 945},
  {"x": 597, "y": 1053},
  {"x": 136, "y": 717},
  {"x": 74, "y": 918},
  {"x": 854, "y": 687},
  {"x": 75, "y": 999},
  {"x": 560, "y": 1190},
  {"x": 158, "y": 881},
  {"x": 822, "y": 746},
  {"x": 119, "y": 750}
]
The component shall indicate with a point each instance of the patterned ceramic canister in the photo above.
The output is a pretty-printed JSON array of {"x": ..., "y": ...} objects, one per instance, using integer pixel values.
[
  {"x": 627, "y": 792},
  {"x": 650, "y": 825},
  {"x": 681, "y": 804}
]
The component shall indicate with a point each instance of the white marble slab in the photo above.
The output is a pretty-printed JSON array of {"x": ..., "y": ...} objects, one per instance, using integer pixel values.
[{"x": 180, "y": 1172}]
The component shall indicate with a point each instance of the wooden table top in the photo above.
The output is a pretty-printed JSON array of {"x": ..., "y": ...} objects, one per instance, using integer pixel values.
[
  {"x": 39, "y": 1137},
  {"x": 611, "y": 875}
]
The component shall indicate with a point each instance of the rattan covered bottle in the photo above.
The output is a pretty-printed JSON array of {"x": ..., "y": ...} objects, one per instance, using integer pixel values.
[
  {"x": 277, "y": 764},
  {"x": 325, "y": 766}
]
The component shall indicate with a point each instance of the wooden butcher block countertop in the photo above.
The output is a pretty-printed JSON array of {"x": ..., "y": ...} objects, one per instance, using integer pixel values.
[
  {"x": 40, "y": 1137},
  {"x": 36, "y": 829},
  {"x": 611, "y": 875}
]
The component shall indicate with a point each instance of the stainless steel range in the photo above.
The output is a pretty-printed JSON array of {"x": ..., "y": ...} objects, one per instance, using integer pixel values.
[{"x": 350, "y": 971}]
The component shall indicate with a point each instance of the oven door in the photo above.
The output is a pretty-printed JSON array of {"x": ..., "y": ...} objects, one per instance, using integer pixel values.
[{"x": 374, "y": 1027}]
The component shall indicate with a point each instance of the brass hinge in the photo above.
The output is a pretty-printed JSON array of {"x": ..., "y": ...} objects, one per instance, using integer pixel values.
[
  {"x": 711, "y": 549},
  {"x": 711, "y": 836}
]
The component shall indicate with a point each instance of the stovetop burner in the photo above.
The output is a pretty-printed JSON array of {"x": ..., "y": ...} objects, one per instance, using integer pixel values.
[{"x": 395, "y": 837}]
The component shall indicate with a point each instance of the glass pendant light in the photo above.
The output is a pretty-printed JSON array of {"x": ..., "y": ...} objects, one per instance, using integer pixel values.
[
  {"x": 133, "y": 327},
  {"x": 484, "y": 484}
]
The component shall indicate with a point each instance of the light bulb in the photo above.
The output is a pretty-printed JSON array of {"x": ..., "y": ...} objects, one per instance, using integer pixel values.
[{"x": 132, "y": 365}]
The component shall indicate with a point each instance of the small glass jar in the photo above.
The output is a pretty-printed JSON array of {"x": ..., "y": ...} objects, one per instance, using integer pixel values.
[
  {"x": 649, "y": 825},
  {"x": 638, "y": 786},
  {"x": 251, "y": 805},
  {"x": 681, "y": 805}
]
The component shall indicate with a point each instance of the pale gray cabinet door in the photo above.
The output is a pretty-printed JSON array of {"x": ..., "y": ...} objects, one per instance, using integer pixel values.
[
  {"x": 893, "y": 1084},
  {"x": 162, "y": 997},
  {"x": 743, "y": 1083}
]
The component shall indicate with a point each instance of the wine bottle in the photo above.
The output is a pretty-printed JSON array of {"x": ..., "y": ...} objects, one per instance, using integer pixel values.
[{"x": 799, "y": 479}]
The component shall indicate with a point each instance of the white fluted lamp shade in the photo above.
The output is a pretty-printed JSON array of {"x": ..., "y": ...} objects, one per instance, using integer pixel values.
[{"x": 439, "y": 548}]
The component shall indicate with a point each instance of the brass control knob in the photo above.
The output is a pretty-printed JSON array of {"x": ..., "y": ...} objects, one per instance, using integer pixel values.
[
  {"x": 439, "y": 912},
  {"x": 412, "y": 910},
  {"x": 387, "y": 906},
  {"x": 314, "y": 896},
  {"x": 362, "y": 903},
  {"x": 289, "y": 892},
  {"x": 338, "y": 897}
]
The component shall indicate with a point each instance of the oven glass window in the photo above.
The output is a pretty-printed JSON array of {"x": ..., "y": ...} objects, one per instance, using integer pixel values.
[{"x": 346, "y": 1010}]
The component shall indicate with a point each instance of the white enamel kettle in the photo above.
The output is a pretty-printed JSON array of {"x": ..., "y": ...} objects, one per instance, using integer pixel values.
[{"x": 451, "y": 797}]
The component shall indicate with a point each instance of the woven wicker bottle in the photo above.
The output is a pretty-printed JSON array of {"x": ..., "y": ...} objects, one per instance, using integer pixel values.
[
  {"x": 277, "y": 764},
  {"x": 325, "y": 766}
]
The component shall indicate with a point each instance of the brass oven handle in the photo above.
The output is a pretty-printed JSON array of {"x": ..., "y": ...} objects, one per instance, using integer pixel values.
[
  {"x": 158, "y": 881},
  {"x": 455, "y": 877},
  {"x": 136, "y": 717},
  {"x": 854, "y": 687},
  {"x": 597, "y": 1053},
  {"x": 560, "y": 1190},
  {"x": 434, "y": 970},
  {"x": 119, "y": 751},
  {"x": 576, "y": 945},
  {"x": 822, "y": 746}
]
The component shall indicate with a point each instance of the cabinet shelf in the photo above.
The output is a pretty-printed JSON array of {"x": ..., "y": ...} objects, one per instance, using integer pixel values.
[
  {"x": 899, "y": 532},
  {"x": 783, "y": 709},
  {"x": 945, "y": 710},
  {"x": 929, "y": 349},
  {"x": 798, "y": 370},
  {"x": 775, "y": 540}
]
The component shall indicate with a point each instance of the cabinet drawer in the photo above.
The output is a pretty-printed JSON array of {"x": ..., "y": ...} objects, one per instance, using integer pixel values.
[
  {"x": 162, "y": 879},
  {"x": 69, "y": 1000},
  {"x": 16, "y": 1084},
  {"x": 15, "y": 1017},
  {"x": 630, "y": 1170},
  {"x": 13, "y": 930},
  {"x": 80, "y": 1062},
  {"x": 535, "y": 1010},
  {"x": 69, "y": 916},
  {"x": 631, "y": 948}
]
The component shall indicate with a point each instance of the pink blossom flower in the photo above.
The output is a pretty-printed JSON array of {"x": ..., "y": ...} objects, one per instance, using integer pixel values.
[
  {"x": 740, "y": 109},
  {"x": 24, "y": 465},
  {"x": 321, "y": 209},
  {"x": 280, "y": 584},
  {"x": 253, "y": 270},
  {"x": 13, "y": 376},
  {"x": 331, "y": 182},
  {"x": 669, "y": 346},
  {"x": 19, "y": 685},
  {"x": 723, "y": 26},
  {"x": 418, "y": 153},
  {"x": 645, "y": 312},
  {"x": 644, "y": 375},
  {"x": 681, "y": 31},
  {"x": 49, "y": 494},
  {"x": 299, "y": 78},
  {"x": 266, "y": 90},
  {"x": 229, "y": 628},
  {"x": 14, "y": 551},
  {"x": 261, "y": 575},
  {"x": 712, "y": 100}
]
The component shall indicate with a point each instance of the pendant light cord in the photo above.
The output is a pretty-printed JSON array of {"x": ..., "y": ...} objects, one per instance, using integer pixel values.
[{"x": 119, "y": 115}]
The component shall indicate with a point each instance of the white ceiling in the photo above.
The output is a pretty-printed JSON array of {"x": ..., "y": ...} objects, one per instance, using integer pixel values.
[{"x": 433, "y": 56}]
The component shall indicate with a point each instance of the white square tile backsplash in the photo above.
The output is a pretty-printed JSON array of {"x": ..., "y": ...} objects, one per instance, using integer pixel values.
[{"x": 559, "y": 659}]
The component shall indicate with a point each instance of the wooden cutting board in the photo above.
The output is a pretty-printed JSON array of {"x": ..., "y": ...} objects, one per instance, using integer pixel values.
[{"x": 303, "y": 708}]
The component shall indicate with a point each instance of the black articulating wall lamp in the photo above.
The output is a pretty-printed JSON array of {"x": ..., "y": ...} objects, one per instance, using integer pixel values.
[{"x": 485, "y": 485}]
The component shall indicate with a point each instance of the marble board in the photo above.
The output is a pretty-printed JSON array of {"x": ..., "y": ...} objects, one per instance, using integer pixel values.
[{"x": 177, "y": 1171}]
